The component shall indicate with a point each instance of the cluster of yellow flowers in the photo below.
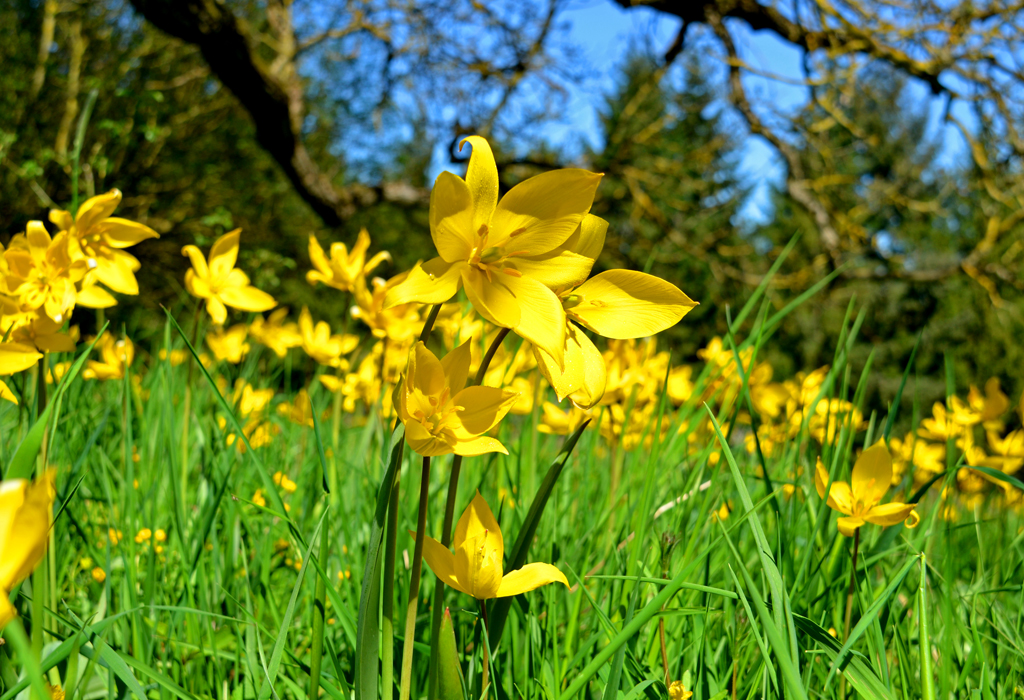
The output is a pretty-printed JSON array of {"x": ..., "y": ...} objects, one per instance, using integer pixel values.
[{"x": 43, "y": 277}]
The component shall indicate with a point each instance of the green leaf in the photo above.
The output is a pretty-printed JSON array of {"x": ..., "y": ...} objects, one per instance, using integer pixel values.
[
  {"x": 368, "y": 628},
  {"x": 859, "y": 675},
  {"x": 449, "y": 672}
]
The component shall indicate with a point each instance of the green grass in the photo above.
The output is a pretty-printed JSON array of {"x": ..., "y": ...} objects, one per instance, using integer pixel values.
[{"x": 228, "y": 609}]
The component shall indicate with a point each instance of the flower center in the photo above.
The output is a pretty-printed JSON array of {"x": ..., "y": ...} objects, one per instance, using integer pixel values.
[{"x": 494, "y": 259}]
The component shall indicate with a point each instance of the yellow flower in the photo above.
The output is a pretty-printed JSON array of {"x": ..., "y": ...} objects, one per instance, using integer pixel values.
[
  {"x": 258, "y": 498},
  {"x": 343, "y": 270},
  {"x": 475, "y": 568},
  {"x": 321, "y": 345},
  {"x": 274, "y": 333},
  {"x": 177, "y": 356},
  {"x": 229, "y": 344},
  {"x": 992, "y": 404},
  {"x": 221, "y": 283},
  {"x": 160, "y": 536},
  {"x": 41, "y": 331},
  {"x": 678, "y": 691},
  {"x": 99, "y": 239},
  {"x": 117, "y": 356},
  {"x": 99, "y": 575},
  {"x": 506, "y": 254},
  {"x": 43, "y": 273},
  {"x": 15, "y": 357},
  {"x": 399, "y": 323},
  {"x": 143, "y": 535},
  {"x": 286, "y": 484},
  {"x": 618, "y": 304},
  {"x": 441, "y": 414},
  {"x": 860, "y": 500},
  {"x": 25, "y": 512}
]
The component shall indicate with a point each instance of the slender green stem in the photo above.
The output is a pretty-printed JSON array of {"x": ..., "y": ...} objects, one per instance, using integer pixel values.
[
  {"x": 849, "y": 603},
  {"x": 414, "y": 583},
  {"x": 316, "y": 651},
  {"x": 428, "y": 325},
  {"x": 186, "y": 420},
  {"x": 927, "y": 679},
  {"x": 449, "y": 517},
  {"x": 388, "y": 608}
]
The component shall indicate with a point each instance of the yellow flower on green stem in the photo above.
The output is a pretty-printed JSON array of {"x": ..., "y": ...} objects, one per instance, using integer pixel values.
[
  {"x": 323, "y": 346},
  {"x": 222, "y": 284},
  {"x": 476, "y": 566},
  {"x": 860, "y": 500},
  {"x": 43, "y": 333},
  {"x": 43, "y": 273},
  {"x": 343, "y": 270},
  {"x": 25, "y": 512},
  {"x": 440, "y": 413},
  {"x": 506, "y": 254},
  {"x": 116, "y": 356},
  {"x": 99, "y": 239}
]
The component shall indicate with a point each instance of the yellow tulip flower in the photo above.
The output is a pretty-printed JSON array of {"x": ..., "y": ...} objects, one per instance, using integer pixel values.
[
  {"x": 99, "y": 239},
  {"x": 321, "y": 345},
  {"x": 440, "y": 413},
  {"x": 221, "y": 283},
  {"x": 117, "y": 356},
  {"x": 475, "y": 568},
  {"x": 42, "y": 272},
  {"x": 25, "y": 512},
  {"x": 343, "y": 270},
  {"x": 398, "y": 324},
  {"x": 860, "y": 499},
  {"x": 506, "y": 254},
  {"x": 274, "y": 333},
  {"x": 229, "y": 344}
]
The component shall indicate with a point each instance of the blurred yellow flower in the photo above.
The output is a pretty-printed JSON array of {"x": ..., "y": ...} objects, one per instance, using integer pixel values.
[
  {"x": 476, "y": 567},
  {"x": 43, "y": 273},
  {"x": 99, "y": 575},
  {"x": 286, "y": 484},
  {"x": 343, "y": 270},
  {"x": 274, "y": 333},
  {"x": 441, "y": 414},
  {"x": 221, "y": 283},
  {"x": 506, "y": 254},
  {"x": 15, "y": 357},
  {"x": 99, "y": 239},
  {"x": 321, "y": 345},
  {"x": 298, "y": 411},
  {"x": 143, "y": 535},
  {"x": 116, "y": 356},
  {"x": 26, "y": 508},
  {"x": 228, "y": 345},
  {"x": 399, "y": 324},
  {"x": 678, "y": 691},
  {"x": 860, "y": 499}
]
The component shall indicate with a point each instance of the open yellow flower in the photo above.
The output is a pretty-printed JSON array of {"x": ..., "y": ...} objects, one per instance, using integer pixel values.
[
  {"x": 221, "y": 283},
  {"x": 99, "y": 239},
  {"x": 117, "y": 356},
  {"x": 343, "y": 270},
  {"x": 504, "y": 253},
  {"x": 860, "y": 499},
  {"x": 25, "y": 512},
  {"x": 43, "y": 273},
  {"x": 440, "y": 413},
  {"x": 274, "y": 333},
  {"x": 321, "y": 345},
  {"x": 475, "y": 568},
  {"x": 399, "y": 323},
  {"x": 15, "y": 357}
]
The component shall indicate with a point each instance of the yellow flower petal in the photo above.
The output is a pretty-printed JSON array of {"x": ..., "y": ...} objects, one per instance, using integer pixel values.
[
  {"x": 847, "y": 526},
  {"x": 588, "y": 238},
  {"x": 442, "y": 562},
  {"x": 423, "y": 443},
  {"x": 482, "y": 408},
  {"x": 482, "y": 445},
  {"x": 425, "y": 373},
  {"x": 543, "y": 211},
  {"x": 584, "y": 375},
  {"x": 477, "y": 520},
  {"x": 218, "y": 312},
  {"x": 528, "y": 578},
  {"x": 7, "y": 395},
  {"x": 451, "y": 217},
  {"x": 224, "y": 254},
  {"x": 25, "y": 513},
  {"x": 839, "y": 496},
  {"x": 15, "y": 357},
  {"x": 97, "y": 208},
  {"x": 542, "y": 318},
  {"x": 122, "y": 233},
  {"x": 872, "y": 474},
  {"x": 559, "y": 269},
  {"x": 433, "y": 282},
  {"x": 492, "y": 299},
  {"x": 478, "y": 565},
  {"x": 890, "y": 513},
  {"x": 247, "y": 299},
  {"x": 482, "y": 180},
  {"x": 594, "y": 372},
  {"x": 625, "y": 304},
  {"x": 195, "y": 256},
  {"x": 456, "y": 366},
  {"x": 117, "y": 276},
  {"x": 96, "y": 297}
]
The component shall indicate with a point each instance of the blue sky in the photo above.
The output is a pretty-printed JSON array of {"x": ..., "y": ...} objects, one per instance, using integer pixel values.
[{"x": 603, "y": 31}]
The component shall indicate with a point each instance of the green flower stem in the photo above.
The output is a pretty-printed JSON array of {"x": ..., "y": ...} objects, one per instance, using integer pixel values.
[
  {"x": 414, "y": 584},
  {"x": 316, "y": 651},
  {"x": 449, "y": 517},
  {"x": 388, "y": 608}
]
